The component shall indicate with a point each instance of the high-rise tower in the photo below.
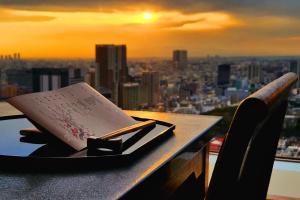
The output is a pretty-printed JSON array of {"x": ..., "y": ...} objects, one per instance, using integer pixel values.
[
  {"x": 223, "y": 75},
  {"x": 254, "y": 73},
  {"x": 180, "y": 59},
  {"x": 111, "y": 70},
  {"x": 150, "y": 87}
]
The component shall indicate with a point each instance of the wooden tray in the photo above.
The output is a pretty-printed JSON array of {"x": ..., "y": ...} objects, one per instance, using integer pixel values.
[{"x": 16, "y": 154}]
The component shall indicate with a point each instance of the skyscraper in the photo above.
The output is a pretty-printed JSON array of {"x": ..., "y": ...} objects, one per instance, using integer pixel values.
[
  {"x": 254, "y": 73},
  {"x": 180, "y": 59},
  {"x": 295, "y": 67},
  {"x": 223, "y": 75},
  {"x": 150, "y": 88},
  {"x": 111, "y": 70}
]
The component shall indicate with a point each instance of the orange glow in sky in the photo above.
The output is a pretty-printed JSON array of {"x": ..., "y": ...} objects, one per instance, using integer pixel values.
[
  {"x": 147, "y": 15},
  {"x": 146, "y": 33}
]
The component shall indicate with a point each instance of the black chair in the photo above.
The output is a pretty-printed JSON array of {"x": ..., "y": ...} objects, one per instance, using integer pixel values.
[{"x": 244, "y": 165}]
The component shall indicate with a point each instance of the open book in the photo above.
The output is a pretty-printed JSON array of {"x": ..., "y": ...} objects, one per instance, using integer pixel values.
[{"x": 73, "y": 113}]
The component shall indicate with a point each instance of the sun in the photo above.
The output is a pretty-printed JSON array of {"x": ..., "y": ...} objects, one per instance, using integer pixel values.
[{"x": 147, "y": 15}]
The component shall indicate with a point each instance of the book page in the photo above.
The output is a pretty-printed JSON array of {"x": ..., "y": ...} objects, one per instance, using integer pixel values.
[{"x": 73, "y": 113}]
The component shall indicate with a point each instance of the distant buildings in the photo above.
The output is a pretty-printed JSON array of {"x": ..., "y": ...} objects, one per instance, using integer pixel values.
[
  {"x": 150, "y": 88},
  {"x": 15, "y": 56},
  {"x": 180, "y": 59},
  {"x": 295, "y": 67},
  {"x": 7, "y": 91},
  {"x": 111, "y": 70},
  {"x": 235, "y": 95},
  {"x": 130, "y": 96},
  {"x": 112, "y": 79},
  {"x": 187, "y": 89},
  {"x": 76, "y": 75},
  {"x": 19, "y": 77},
  {"x": 15, "y": 81},
  {"x": 44, "y": 79},
  {"x": 26, "y": 76}
]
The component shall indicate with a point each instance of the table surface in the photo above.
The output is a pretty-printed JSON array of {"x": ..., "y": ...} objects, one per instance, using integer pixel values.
[{"x": 110, "y": 183}]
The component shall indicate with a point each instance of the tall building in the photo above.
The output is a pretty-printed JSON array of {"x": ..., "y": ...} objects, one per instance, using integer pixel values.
[
  {"x": 130, "y": 96},
  {"x": 111, "y": 70},
  {"x": 150, "y": 88},
  {"x": 180, "y": 59},
  {"x": 254, "y": 73},
  {"x": 223, "y": 78},
  {"x": 295, "y": 67}
]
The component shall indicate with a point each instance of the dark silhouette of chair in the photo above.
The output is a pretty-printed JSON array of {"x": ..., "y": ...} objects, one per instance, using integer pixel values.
[{"x": 244, "y": 165}]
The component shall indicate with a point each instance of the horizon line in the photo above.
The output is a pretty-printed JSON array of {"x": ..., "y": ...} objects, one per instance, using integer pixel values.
[{"x": 162, "y": 57}]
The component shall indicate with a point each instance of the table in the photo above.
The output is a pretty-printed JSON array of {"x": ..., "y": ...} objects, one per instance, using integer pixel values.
[{"x": 178, "y": 165}]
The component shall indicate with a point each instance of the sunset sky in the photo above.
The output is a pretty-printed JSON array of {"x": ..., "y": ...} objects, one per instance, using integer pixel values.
[{"x": 71, "y": 28}]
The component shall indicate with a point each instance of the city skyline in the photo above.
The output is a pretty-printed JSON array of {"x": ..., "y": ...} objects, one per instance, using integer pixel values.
[{"x": 54, "y": 29}]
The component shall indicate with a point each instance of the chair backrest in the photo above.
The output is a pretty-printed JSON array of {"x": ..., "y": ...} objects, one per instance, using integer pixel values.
[{"x": 244, "y": 165}]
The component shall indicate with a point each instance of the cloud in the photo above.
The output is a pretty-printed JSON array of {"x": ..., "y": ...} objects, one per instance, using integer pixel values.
[
  {"x": 246, "y": 7},
  {"x": 165, "y": 24},
  {"x": 234, "y": 27},
  {"x": 9, "y": 16},
  {"x": 295, "y": 38},
  {"x": 199, "y": 22},
  {"x": 163, "y": 21},
  {"x": 292, "y": 38},
  {"x": 179, "y": 24}
]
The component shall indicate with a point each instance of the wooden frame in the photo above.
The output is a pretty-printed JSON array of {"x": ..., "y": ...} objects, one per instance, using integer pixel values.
[{"x": 244, "y": 165}]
